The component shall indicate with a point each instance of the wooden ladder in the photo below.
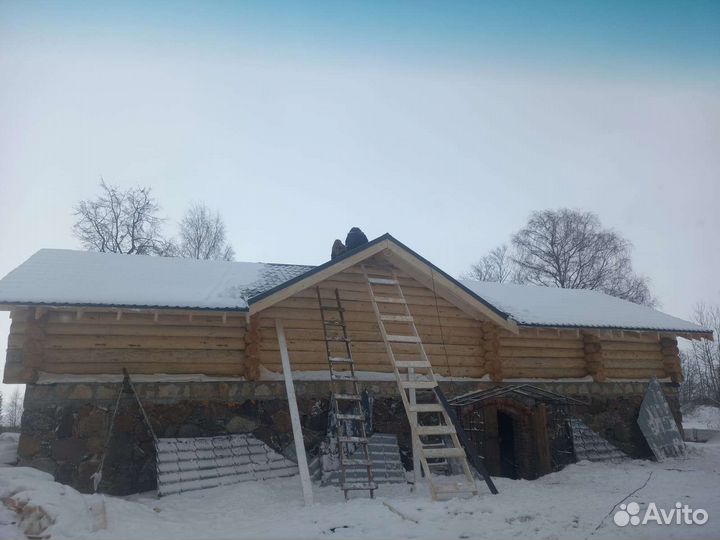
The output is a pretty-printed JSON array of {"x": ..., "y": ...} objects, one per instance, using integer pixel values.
[
  {"x": 435, "y": 439},
  {"x": 347, "y": 406}
]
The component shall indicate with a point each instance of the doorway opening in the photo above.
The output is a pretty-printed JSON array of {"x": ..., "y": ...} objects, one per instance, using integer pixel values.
[{"x": 506, "y": 442}]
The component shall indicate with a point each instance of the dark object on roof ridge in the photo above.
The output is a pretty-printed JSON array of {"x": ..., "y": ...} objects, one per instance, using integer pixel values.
[
  {"x": 355, "y": 238},
  {"x": 338, "y": 248}
]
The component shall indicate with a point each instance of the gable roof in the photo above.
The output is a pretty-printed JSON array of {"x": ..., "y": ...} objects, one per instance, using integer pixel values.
[
  {"x": 83, "y": 278},
  {"x": 80, "y": 278},
  {"x": 532, "y": 305}
]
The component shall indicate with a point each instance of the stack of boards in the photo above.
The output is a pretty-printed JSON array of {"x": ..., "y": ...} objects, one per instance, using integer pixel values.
[{"x": 188, "y": 464}]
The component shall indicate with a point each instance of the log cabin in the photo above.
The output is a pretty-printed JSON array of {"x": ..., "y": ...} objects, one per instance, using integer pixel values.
[{"x": 199, "y": 341}]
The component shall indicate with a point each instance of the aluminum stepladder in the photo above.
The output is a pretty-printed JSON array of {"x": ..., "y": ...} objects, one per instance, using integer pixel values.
[{"x": 346, "y": 405}]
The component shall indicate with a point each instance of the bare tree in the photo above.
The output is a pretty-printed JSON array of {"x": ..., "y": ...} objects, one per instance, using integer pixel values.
[
  {"x": 570, "y": 249},
  {"x": 15, "y": 409},
  {"x": 120, "y": 221},
  {"x": 701, "y": 364},
  {"x": 203, "y": 235},
  {"x": 497, "y": 265}
]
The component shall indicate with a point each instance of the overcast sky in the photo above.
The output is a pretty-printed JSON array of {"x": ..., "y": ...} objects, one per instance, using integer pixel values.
[{"x": 444, "y": 124}]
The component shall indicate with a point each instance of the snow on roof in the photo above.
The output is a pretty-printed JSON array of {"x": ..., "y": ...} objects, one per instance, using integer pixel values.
[
  {"x": 68, "y": 277},
  {"x": 550, "y": 306}
]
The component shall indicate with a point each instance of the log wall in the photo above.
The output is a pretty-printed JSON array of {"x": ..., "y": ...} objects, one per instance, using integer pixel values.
[
  {"x": 453, "y": 340},
  {"x": 101, "y": 342},
  {"x": 172, "y": 342}
]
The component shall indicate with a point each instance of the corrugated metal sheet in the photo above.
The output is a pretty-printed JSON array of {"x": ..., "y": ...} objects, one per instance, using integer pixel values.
[
  {"x": 386, "y": 463},
  {"x": 590, "y": 446},
  {"x": 658, "y": 424},
  {"x": 187, "y": 464}
]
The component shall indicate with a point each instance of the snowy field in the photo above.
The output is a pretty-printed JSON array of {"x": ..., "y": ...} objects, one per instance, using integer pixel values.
[
  {"x": 702, "y": 417},
  {"x": 577, "y": 502}
]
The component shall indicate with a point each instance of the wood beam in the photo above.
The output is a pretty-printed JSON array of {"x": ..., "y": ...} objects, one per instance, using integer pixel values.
[
  {"x": 294, "y": 416},
  {"x": 592, "y": 347}
]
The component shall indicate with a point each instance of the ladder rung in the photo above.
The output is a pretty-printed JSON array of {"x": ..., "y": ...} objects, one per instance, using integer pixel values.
[
  {"x": 349, "y": 416},
  {"x": 388, "y": 299},
  {"x": 344, "y": 376},
  {"x": 426, "y": 407},
  {"x": 333, "y": 323},
  {"x": 443, "y": 452},
  {"x": 332, "y": 308},
  {"x": 359, "y": 440},
  {"x": 348, "y": 397},
  {"x": 383, "y": 281},
  {"x": 412, "y": 364},
  {"x": 418, "y": 384},
  {"x": 341, "y": 360},
  {"x": 369, "y": 485},
  {"x": 396, "y": 318},
  {"x": 336, "y": 338},
  {"x": 403, "y": 339},
  {"x": 435, "y": 430},
  {"x": 365, "y": 462}
]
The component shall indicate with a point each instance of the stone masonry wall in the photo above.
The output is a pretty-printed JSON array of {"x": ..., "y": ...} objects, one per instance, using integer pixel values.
[{"x": 65, "y": 425}]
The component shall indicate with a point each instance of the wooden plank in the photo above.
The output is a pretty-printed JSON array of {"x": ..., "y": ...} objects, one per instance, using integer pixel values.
[{"x": 295, "y": 418}]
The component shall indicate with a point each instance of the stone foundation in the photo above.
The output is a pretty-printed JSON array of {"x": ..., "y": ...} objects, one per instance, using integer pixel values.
[{"x": 65, "y": 425}]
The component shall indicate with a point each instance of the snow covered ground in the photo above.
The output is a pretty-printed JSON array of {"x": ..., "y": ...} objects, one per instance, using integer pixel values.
[
  {"x": 8, "y": 448},
  {"x": 702, "y": 417},
  {"x": 577, "y": 502}
]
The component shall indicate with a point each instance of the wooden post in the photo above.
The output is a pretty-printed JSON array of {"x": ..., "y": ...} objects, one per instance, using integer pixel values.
[
  {"x": 592, "y": 348},
  {"x": 671, "y": 359},
  {"x": 294, "y": 416},
  {"x": 491, "y": 344},
  {"x": 417, "y": 469}
]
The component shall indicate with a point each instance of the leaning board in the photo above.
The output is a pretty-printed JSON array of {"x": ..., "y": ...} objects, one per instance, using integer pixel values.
[{"x": 188, "y": 464}]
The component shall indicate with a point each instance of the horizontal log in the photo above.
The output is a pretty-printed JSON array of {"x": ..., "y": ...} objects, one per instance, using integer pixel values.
[
  {"x": 360, "y": 320},
  {"x": 199, "y": 318},
  {"x": 518, "y": 352},
  {"x": 630, "y": 346},
  {"x": 142, "y": 342},
  {"x": 632, "y": 355},
  {"x": 448, "y": 337},
  {"x": 170, "y": 368},
  {"x": 378, "y": 347},
  {"x": 115, "y": 356},
  {"x": 546, "y": 363},
  {"x": 626, "y": 373},
  {"x": 452, "y": 371},
  {"x": 542, "y": 343},
  {"x": 78, "y": 328},
  {"x": 308, "y": 357},
  {"x": 359, "y": 291},
  {"x": 363, "y": 311},
  {"x": 634, "y": 364},
  {"x": 542, "y": 373}
]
